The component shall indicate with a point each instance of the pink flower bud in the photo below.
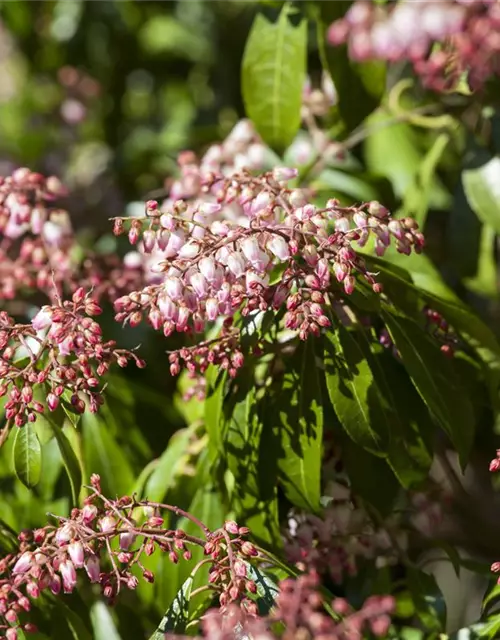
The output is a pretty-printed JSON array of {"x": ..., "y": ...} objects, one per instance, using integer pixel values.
[
  {"x": 148, "y": 240},
  {"x": 236, "y": 263},
  {"x": 231, "y": 527},
  {"x": 219, "y": 228},
  {"x": 68, "y": 574},
  {"x": 248, "y": 549},
  {"x": 24, "y": 563},
  {"x": 24, "y": 603},
  {"x": 209, "y": 208},
  {"x": 259, "y": 203},
  {"x": 64, "y": 534},
  {"x": 349, "y": 284},
  {"x": 126, "y": 540},
  {"x": 52, "y": 401},
  {"x": 199, "y": 284},
  {"x": 211, "y": 309},
  {"x": 240, "y": 569},
  {"x": 175, "y": 242},
  {"x": 283, "y": 174},
  {"x": 189, "y": 250},
  {"x": 75, "y": 551},
  {"x": 133, "y": 235},
  {"x": 174, "y": 288},
  {"x": 207, "y": 268},
  {"x": 106, "y": 524},
  {"x": 33, "y": 590},
  {"x": 11, "y": 634},
  {"x": 42, "y": 320},
  {"x": 93, "y": 569},
  {"x": 278, "y": 246}
]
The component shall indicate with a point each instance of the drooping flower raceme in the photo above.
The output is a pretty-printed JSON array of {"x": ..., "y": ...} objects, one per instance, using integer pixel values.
[{"x": 281, "y": 253}]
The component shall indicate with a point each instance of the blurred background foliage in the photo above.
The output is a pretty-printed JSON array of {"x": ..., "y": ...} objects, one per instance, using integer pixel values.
[{"x": 105, "y": 94}]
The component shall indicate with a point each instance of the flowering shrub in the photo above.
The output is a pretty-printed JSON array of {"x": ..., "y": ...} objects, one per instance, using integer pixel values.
[{"x": 311, "y": 390}]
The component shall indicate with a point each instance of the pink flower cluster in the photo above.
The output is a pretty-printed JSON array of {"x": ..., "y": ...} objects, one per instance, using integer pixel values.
[
  {"x": 281, "y": 253},
  {"x": 407, "y": 30},
  {"x": 299, "y": 614},
  {"x": 62, "y": 352},
  {"x": 38, "y": 249},
  {"x": 49, "y": 558}
]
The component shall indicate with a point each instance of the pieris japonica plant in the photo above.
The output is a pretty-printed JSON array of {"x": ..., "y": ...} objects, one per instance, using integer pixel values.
[{"x": 261, "y": 412}]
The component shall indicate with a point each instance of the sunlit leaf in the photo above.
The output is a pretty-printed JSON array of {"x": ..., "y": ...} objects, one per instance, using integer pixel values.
[
  {"x": 27, "y": 455},
  {"x": 273, "y": 75}
]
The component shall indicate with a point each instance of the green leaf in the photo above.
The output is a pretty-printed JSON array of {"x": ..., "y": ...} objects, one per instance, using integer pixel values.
[
  {"x": 273, "y": 75},
  {"x": 484, "y": 282},
  {"x": 27, "y": 456},
  {"x": 436, "y": 381},
  {"x": 70, "y": 460},
  {"x": 103, "y": 625},
  {"x": 362, "y": 467},
  {"x": 267, "y": 589},
  {"x": 394, "y": 152},
  {"x": 416, "y": 199},
  {"x": 482, "y": 188},
  {"x": 177, "y": 615},
  {"x": 353, "y": 391},
  {"x": 428, "y": 599},
  {"x": 216, "y": 384},
  {"x": 169, "y": 466},
  {"x": 410, "y": 448},
  {"x": 300, "y": 421},
  {"x": 254, "y": 496},
  {"x": 104, "y": 456},
  {"x": 359, "y": 86}
]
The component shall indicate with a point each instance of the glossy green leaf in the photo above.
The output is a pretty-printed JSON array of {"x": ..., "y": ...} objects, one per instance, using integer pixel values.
[
  {"x": 103, "y": 625},
  {"x": 409, "y": 453},
  {"x": 70, "y": 460},
  {"x": 169, "y": 466},
  {"x": 104, "y": 456},
  {"x": 273, "y": 75},
  {"x": 362, "y": 467},
  {"x": 428, "y": 599},
  {"x": 267, "y": 589},
  {"x": 353, "y": 391},
  {"x": 395, "y": 152},
  {"x": 177, "y": 615},
  {"x": 254, "y": 495},
  {"x": 484, "y": 281},
  {"x": 482, "y": 188},
  {"x": 216, "y": 383},
  {"x": 27, "y": 456},
  {"x": 300, "y": 422},
  {"x": 417, "y": 197},
  {"x": 436, "y": 381}
]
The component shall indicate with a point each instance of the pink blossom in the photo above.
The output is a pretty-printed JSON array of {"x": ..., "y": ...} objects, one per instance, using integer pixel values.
[
  {"x": 68, "y": 574},
  {"x": 75, "y": 551},
  {"x": 92, "y": 567},
  {"x": 279, "y": 247},
  {"x": 42, "y": 320}
]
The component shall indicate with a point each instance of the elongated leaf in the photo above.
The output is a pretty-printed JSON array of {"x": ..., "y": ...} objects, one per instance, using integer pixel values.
[
  {"x": 70, "y": 460},
  {"x": 484, "y": 282},
  {"x": 435, "y": 380},
  {"x": 428, "y": 599},
  {"x": 416, "y": 200},
  {"x": 177, "y": 615},
  {"x": 354, "y": 393},
  {"x": 410, "y": 445},
  {"x": 482, "y": 188},
  {"x": 104, "y": 456},
  {"x": 267, "y": 589},
  {"x": 103, "y": 625},
  {"x": 273, "y": 75},
  {"x": 300, "y": 420},
  {"x": 216, "y": 383},
  {"x": 168, "y": 466},
  {"x": 27, "y": 456},
  {"x": 254, "y": 495}
]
